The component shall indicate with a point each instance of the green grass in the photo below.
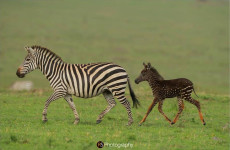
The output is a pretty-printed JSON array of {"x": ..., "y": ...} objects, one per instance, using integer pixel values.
[
  {"x": 22, "y": 128},
  {"x": 180, "y": 38}
]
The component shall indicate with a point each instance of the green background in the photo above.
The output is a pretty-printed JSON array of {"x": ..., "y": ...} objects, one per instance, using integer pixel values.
[{"x": 181, "y": 38}]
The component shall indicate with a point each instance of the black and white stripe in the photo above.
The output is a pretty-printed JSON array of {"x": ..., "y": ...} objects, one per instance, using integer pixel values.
[
  {"x": 81, "y": 80},
  {"x": 91, "y": 79}
]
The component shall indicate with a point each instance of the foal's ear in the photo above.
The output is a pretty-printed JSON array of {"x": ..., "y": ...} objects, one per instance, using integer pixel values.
[
  {"x": 149, "y": 65},
  {"x": 144, "y": 65}
]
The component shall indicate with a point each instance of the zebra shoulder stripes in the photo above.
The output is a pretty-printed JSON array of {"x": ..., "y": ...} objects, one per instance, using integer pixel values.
[{"x": 80, "y": 80}]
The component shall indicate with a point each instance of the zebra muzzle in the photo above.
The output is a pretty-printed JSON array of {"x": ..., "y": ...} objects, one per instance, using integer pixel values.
[
  {"x": 137, "y": 81},
  {"x": 18, "y": 73}
]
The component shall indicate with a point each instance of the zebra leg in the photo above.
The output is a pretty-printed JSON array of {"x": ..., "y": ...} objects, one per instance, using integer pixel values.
[
  {"x": 197, "y": 104},
  {"x": 122, "y": 99},
  {"x": 109, "y": 98},
  {"x": 53, "y": 97},
  {"x": 69, "y": 99},
  {"x": 182, "y": 104},
  {"x": 181, "y": 107},
  {"x": 161, "y": 111},
  {"x": 155, "y": 101}
]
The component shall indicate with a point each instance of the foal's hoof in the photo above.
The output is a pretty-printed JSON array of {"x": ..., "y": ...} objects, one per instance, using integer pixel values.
[
  {"x": 98, "y": 121},
  {"x": 204, "y": 123},
  {"x": 172, "y": 123},
  {"x": 140, "y": 124}
]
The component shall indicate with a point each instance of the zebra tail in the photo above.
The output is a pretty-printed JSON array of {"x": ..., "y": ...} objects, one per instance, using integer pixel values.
[
  {"x": 194, "y": 91},
  {"x": 133, "y": 96}
]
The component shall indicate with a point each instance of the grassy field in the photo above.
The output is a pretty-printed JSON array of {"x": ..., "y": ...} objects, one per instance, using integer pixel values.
[
  {"x": 181, "y": 38},
  {"x": 22, "y": 128}
]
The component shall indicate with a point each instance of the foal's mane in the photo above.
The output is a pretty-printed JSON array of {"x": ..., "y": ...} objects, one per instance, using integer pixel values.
[
  {"x": 42, "y": 49},
  {"x": 156, "y": 74}
]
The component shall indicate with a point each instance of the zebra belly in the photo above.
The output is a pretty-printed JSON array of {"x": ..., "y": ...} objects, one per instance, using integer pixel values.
[{"x": 71, "y": 91}]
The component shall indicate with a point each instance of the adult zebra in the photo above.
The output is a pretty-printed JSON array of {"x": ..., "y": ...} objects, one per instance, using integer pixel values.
[{"x": 81, "y": 80}]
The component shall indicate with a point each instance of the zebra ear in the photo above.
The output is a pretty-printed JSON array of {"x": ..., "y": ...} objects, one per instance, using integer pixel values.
[
  {"x": 29, "y": 50},
  {"x": 144, "y": 65},
  {"x": 149, "y": 65}
]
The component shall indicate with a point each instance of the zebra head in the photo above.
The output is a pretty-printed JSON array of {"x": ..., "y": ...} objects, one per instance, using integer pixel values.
[
  {"x": 29, "y": 63},
  {"x": 144, "y": 74}
]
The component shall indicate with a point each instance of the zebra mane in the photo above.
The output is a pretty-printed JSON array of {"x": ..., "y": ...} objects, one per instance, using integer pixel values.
[
  {"x": 156, "y": 74},
  {"x": 40, "y": 49}
]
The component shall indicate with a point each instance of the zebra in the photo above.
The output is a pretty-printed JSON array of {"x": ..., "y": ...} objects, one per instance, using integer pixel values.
[
  {"x": 80, "y": 80},
  {"x": 161, "y": 89}
]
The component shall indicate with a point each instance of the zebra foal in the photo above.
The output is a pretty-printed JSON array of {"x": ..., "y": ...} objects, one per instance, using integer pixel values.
[
  {"x": 80, "y": 80},
  {"x": 180, "y": 88}
]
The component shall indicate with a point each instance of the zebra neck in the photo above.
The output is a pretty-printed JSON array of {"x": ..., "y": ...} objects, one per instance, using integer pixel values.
[
  {"x": 153, "y": 83},
  {"x": 51, "y": 68}
]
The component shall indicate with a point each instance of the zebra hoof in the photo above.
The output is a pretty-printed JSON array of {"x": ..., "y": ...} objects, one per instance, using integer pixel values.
[
  {"x": 140, "y": 124},
  {"x": 204, "y": 123},
  {"x": 98, "y": 121},
  {"x": 172, "y": 123},
  {"x": 44, "y": 120},
  {"x": 129, "y": 123},
  {"x": 76, "y": 121}
]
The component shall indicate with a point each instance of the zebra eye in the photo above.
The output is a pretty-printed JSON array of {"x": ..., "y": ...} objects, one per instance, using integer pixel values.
[
  {"x": 143, "y": 72},
  {"x": 27, "y": 59}
]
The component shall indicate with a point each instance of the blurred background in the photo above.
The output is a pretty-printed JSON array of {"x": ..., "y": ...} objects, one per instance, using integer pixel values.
[{"x": 181, "y": 38}]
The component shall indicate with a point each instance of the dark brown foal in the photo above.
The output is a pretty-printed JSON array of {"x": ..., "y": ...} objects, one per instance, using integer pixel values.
[{"x": 181, "y": 88}]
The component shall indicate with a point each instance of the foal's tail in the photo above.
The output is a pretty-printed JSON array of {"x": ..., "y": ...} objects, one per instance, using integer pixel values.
[
  {"x": 194, "y": 91},
  {"x": 135, "y": 100}
]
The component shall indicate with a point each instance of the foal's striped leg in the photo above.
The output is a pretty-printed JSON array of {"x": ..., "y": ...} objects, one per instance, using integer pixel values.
[
  {"x": 197, "y": 104},
  {"x": 161, "y": 111},
  {"x": 155, "y": 101},
  {"x": 181, "y": 107},
  {"x": 109, "y": 98}
]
